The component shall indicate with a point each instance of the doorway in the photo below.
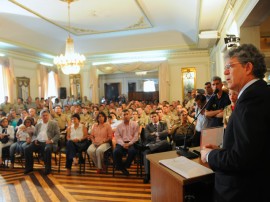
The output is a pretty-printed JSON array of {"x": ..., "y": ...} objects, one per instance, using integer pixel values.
[{"x": 112, "y": 91}]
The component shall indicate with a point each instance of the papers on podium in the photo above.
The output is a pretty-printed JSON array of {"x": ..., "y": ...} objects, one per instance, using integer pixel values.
[{"x": 185, "y": 167}]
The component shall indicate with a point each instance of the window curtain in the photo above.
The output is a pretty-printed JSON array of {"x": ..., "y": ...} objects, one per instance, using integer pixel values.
[{"x": 9, "y": 80}]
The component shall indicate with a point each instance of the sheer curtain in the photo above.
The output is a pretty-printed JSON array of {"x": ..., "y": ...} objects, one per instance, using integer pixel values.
[{"x": 8, "y": 79}]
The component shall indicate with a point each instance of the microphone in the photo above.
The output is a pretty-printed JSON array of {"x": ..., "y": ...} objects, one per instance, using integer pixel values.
[
  {"x": 184, "y": 150},
  {"x": 215, "y": 92}
]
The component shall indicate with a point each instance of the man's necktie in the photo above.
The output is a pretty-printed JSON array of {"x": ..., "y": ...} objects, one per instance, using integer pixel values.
[
  {"x": 4, "y": 131},
  {"x": 155, "y": 127}
]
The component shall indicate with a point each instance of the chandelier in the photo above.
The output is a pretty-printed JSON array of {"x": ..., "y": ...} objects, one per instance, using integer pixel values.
[{"x": 71, "y": 62}]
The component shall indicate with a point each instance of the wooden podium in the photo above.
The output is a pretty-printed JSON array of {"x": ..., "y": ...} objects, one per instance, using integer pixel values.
[{"x": 167, "y": 185}]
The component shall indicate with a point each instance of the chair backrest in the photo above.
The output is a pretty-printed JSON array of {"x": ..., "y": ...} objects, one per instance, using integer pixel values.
[{"x": 142, "y": 137}]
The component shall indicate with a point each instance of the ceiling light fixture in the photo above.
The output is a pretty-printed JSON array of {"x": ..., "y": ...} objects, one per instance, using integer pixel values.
[
  {"x": 141, "y": 73},
  {"x": 71, "y": 62},
  {"x": 46, "y": 64}
]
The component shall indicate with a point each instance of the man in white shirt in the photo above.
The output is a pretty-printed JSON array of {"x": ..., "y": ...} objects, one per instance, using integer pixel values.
[{"x": 44, "y": 141}]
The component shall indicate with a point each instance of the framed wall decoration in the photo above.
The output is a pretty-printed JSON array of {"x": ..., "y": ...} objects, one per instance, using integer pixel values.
[
  {"x": 75, "y": 85},
  {"x": 188, "y": 80},
  {"x": 23, "y": 87}
]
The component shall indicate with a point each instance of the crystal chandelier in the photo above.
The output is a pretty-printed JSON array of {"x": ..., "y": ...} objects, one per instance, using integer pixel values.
[{"x": 71, "y": 62}]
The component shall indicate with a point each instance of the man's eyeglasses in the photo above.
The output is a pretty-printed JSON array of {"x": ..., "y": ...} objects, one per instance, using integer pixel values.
[{"x": 230, "y": 65}]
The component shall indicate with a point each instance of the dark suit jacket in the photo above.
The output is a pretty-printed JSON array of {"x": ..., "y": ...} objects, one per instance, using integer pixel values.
[
  {"x": 53, "y": 131},
  {"x": 162, "y": 131},
  {"x": 242, "y": 171}
]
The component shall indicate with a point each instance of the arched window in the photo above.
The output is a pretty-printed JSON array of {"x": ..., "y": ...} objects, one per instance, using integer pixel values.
[{"x": 149, "y": 86}]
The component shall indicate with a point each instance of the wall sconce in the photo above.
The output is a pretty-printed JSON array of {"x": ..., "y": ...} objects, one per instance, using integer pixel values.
[{"x": 231, "y": 40}]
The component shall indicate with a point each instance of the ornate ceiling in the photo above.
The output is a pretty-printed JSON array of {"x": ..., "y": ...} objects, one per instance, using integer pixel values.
[{"x": 100, "y": 27}]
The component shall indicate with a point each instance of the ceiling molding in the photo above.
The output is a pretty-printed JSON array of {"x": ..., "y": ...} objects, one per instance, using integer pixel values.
[{"x": 142, "y": 21}]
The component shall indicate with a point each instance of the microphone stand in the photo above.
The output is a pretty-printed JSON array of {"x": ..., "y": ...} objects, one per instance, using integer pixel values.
[{"x": 184, "y": 150}]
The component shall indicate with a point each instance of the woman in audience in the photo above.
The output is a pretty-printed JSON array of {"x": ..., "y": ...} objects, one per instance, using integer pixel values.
[
  {"x": 233, "y": 95},
  {"x": 76, "y": 141},
  {"x": 6, "y": 136},
  {"x": 24, "y": 136},
  {"x": 101, "y": 136}
]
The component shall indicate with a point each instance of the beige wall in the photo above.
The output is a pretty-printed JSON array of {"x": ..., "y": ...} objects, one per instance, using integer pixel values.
[
  {"x": 200, "y": 63},
  {"x": 27, "y": 69}
]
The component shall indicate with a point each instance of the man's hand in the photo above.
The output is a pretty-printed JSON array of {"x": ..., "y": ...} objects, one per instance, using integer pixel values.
[
  {"x": 49, "y": 142},
  {"x": 76, "y": 140},
  {"x": 154, "y": 134},
  {"x": 28, "y": 140},
  {"x": 205, "y": 150},
  {"x": 126, "y": 145}
]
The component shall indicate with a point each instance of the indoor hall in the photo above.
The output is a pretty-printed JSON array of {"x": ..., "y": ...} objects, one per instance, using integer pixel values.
[{"x": 172, "y": 43}]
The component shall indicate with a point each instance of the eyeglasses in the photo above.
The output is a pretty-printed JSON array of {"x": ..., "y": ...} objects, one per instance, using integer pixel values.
[{"x": 230, "y": 65}]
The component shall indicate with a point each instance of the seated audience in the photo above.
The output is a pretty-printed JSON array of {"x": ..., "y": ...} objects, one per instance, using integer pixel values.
[
  {"x": 126, "y": 135},
  {"x": 6, "y": 136},
  {"x": 101, "y": 135},
  {"x": 184, "y": 128},
  {"x": 24, "y": 135},
  {"x": 76, "y": 141},
  {"x": 156, "y": 134},
  {"x": 44, "y": 140}
]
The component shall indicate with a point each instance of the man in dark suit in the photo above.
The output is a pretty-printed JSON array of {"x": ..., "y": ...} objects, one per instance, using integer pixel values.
[
  {"x": 242, "y": 171},
  {"x": 44, "y": 140},
  {"x": 156, "y": 134}
]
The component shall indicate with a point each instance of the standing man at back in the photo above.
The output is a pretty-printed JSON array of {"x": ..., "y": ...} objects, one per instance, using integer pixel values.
[
  {"x": 215, "y": 106},
  {"x": 242, "y": 165}
]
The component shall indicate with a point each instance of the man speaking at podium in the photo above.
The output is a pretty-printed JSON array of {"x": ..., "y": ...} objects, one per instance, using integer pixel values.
[{"x": 242, "y": 171}]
